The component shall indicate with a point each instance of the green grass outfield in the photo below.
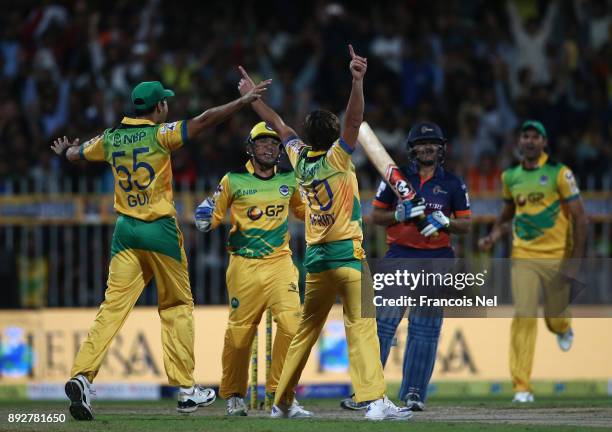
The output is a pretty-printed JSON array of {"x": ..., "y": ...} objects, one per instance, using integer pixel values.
[{"x": 495, "y": 414}]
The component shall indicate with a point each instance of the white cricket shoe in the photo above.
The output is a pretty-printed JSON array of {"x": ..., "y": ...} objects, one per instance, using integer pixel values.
[
  {"x": 523, "y": 397},
  {"x": 565, "y": 340},
  {"x": 384, "y": 409},
  {"x": 189, "y": 399},
  {"x": 235, "y": 406},
  {"x": 293, "y": 411},
  {"x": 79, "y": 390}
]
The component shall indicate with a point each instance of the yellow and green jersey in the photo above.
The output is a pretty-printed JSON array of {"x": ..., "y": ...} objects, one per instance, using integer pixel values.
[
  {"x": 259, "y": 211},
  {"x": 139, "y": 152},
  {"x": 542, "y": 226},
  {"x": 328, "y": 185}
]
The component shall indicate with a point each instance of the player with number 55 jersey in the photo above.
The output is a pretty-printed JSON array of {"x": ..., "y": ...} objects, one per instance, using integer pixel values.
[{"x": 147, "y": 242}]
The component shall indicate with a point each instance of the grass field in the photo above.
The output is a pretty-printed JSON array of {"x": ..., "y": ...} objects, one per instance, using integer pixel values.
[{"x": 443, "y": 414}]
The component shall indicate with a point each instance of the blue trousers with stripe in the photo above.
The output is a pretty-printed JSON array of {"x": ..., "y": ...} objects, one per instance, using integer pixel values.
[{"x": 424, "y": 324}]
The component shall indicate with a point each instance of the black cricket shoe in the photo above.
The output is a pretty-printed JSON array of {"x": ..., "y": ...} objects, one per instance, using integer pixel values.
[
  {"x": 79, "y": 390},
  {"x": 414, "y": 402}
]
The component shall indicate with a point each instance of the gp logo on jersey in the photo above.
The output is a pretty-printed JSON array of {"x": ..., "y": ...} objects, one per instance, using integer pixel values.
[
  {"x": 284, "y": 190},
  {"x": 168, "y": 127},
  {"x": 254, "y": 213}
]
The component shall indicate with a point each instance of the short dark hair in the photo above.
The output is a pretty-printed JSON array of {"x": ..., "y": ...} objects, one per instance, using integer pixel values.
[
  {"x": 147, "y": 111},
  {"x": 321, "y": 129}
]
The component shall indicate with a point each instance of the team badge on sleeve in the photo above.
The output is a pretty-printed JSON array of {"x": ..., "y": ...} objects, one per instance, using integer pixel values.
[
  {"x": 571, "y": 182},
  {"x": 296, "y": 145},
  {"x": 168, "y": 127}
]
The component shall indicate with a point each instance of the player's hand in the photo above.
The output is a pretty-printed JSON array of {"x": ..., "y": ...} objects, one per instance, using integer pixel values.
[
  {"x": 433, "y": 223},
  {"x": 358, "y": 64},
  {"x": 485, "y": 243},
  {"x": 247, "y": 88},
  {"x": 203, "y": 215},
  {"x": 61, "y": 144},
  {"x": 409, "y": 209},
  {"x": 253, "y": 93}
]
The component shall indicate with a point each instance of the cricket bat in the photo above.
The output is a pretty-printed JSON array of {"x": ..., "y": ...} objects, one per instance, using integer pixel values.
[{"x": 385, "y": 166}]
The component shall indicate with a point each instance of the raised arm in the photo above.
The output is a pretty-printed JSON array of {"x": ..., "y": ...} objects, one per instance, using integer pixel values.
[
  {"x": 354, "y": 109},
  {"x": 266, "y": 113},
  {"x": 213, "y": 116}
]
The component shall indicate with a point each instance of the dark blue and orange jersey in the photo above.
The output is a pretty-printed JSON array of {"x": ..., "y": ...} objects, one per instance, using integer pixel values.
[{"x": 444, "y": 192}]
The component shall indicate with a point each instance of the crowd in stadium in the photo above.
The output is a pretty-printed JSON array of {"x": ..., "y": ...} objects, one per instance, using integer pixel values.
[{"x": 67, "y": 68}]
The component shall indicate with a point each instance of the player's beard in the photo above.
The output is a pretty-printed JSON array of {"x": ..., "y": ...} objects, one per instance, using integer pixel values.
[{"x": 265, "y": 164}]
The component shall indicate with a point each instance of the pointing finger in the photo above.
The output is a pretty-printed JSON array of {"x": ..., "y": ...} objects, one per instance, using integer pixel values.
[
  {"x": 351, "y": 51},
  {"x": 244, "y": 73}
]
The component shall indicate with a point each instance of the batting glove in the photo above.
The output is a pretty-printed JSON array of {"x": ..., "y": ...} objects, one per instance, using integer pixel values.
[
  {"x": 433, "y": 223},
  {"x": 406, "y": 210},
  {"x": 203, "y": 215}
]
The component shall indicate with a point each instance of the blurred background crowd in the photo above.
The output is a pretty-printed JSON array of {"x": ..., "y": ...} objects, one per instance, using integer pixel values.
[{"x": 476, "y": 67}]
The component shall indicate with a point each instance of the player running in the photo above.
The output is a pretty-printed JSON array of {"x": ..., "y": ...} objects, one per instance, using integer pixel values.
[
  {"x": 147, "y": 242},
  {"x": 261, "y": 273},
  {"x": 334, "y": 255},
  {"x": 549, "y": 224},
  {"x": 448, "y": 212}
]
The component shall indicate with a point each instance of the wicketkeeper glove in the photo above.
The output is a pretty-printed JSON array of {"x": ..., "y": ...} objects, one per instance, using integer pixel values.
[
  {"x": 406, "y": 210},
  {"x": 433, "y": 223},
  {"x": 203, "y": 215}
]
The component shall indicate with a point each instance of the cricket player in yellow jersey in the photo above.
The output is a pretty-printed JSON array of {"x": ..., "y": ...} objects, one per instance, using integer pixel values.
[
  {"x": 147, "y": 242},
  {"x": 261, "y": 273},
  {"x": 549, "y": 225},
  {"x": 334, "y": 255}
]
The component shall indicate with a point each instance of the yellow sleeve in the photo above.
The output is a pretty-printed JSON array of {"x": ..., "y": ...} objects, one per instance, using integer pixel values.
[
  {"x": 172, "y": 136},
  {"x": 298, "y": 207},
  {"x": 93, "y": 150},
  {"x": 223, "y": 199},
  {"x": 506, "y": 194},
  {"x": 339, "y": 156},
  {"x": 294, "y": 147},
  {"x": 566, "y": 184}
]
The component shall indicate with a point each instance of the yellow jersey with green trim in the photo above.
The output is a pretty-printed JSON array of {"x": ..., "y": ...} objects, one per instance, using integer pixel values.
[
  {"x": 329, "y": 187},
  {"x": 139, "y": 152},
  {"x": 542, "y": 225},
  {"x": 259, "y": 211}
]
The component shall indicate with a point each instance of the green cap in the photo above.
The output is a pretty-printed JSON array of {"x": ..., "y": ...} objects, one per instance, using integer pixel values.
[
  {"x": 148, "y": 93},
  {"x": 534, "y": 124}
]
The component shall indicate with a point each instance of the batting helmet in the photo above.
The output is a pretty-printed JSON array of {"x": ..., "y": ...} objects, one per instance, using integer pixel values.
[{"x": 261, "y": 129}]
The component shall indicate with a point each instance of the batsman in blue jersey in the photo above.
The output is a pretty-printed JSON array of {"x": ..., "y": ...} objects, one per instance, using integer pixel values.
[{"x": 447, "y": 211}]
